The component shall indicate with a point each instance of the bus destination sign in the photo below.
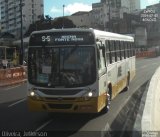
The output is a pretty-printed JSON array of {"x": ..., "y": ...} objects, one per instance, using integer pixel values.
[
  {"x": 67, "y": 38},
  {"x": 57, "y": 38}
]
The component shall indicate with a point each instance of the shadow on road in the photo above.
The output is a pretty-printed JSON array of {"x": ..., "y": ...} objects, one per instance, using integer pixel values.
[{"x": 124, "y": 122}]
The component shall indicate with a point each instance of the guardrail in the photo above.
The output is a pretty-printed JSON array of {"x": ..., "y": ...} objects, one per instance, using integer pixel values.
[
  {"x": 146, "y": 54},
  {"x": 12, "y": 76}
]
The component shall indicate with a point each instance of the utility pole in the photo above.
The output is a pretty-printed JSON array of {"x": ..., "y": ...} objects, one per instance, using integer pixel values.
[{"x": 21, "y": 48}]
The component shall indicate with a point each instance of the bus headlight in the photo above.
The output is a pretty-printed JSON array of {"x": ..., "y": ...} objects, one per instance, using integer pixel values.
[
  {"x": 34, "y": 95},
  {"x": 89, "y": 94}
]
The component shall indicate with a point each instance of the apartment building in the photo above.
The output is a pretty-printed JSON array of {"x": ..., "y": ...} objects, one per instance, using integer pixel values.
[
  {"x": 130, "y": 4},
  {"x": 112, "y": 10},
  {"x": 153, "y": 26},
  {"x": 98, "y": 14},
  {"x": 11, "y": 15},
  {"x": 134, "y": 5}
]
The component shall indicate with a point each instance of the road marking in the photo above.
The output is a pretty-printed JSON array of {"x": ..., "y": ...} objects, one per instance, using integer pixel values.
[
  {"x": 45, "y": 124},
  {"x": 154, "y": 63},
  {"x": 143, "y": 67},
  {"x": 106, "y": 131},
  {"x": 17, "y": 102},
  {"x": 12, "y": 87}
]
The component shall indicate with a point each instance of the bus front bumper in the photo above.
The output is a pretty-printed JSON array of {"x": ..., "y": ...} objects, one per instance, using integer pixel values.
[{"x": 77, "y": 105}]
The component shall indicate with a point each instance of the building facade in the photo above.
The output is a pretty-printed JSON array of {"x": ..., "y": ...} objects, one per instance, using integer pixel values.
[
  {"x": 140, "y": 36},
  {"x": 98, "y": 15},
  {"x": 153, "y": 26},
  {"x": 11, "y": 15},
  {"x": 134, "y": 5},
  {"x": 108, "y": 10},
  {"x": 130, "y": 4}
]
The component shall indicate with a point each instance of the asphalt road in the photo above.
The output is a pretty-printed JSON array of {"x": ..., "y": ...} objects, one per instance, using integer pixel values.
[{"x": 14, "y": 115}]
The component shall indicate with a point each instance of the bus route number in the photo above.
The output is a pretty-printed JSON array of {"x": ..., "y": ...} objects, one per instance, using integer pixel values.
[{"x": 46, "y": 38}]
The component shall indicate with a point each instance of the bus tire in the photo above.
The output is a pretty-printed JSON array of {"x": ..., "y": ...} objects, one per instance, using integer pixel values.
[
  {"x": 109, "y": 97},
  {"x": 128, "y": 82}
]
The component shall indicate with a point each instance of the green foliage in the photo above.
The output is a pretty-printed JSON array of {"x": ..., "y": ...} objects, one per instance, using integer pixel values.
[
  {"x": 46, "y": 22},
  {"x": 63, "y": 23}
]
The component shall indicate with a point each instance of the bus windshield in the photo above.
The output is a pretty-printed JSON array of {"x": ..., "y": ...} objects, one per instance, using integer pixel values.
[{"x": 62, "y": 66}]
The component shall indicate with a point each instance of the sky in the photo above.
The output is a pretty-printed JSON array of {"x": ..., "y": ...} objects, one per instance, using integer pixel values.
[{"x": 54, "y": 8}]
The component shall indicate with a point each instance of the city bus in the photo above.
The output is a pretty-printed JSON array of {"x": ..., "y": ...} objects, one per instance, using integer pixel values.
[{"x": 78, "y": 70}]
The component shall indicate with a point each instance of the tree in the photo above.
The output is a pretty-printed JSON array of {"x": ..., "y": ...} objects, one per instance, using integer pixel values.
[
  {"x": 43, "y": 23},
  {"x": 46, "y": 22},
  {"x": 63, "y": 22},
  {"x": 48, "y": 18}
]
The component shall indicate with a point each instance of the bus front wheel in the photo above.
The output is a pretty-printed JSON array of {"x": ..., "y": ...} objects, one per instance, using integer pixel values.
[
  {"x": 108, "y": 100},
  {"x": 127, "y": 83}
]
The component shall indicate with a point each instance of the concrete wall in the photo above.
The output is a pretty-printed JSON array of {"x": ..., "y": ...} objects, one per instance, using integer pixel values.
[
  {"x": 150, "y": 119},
  {"x": 11, "y": 16}
]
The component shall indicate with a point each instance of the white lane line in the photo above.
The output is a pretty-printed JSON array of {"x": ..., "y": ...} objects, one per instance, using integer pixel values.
[
  {"x": 45, "y": 124},
  {"x": 12, "y": 87},
  {"x": 155, "y": 63},
  {"x": 143, "y": 67},
  {"x": 17, "y": 102}
]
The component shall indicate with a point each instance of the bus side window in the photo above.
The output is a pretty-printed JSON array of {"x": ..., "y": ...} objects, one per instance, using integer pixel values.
[
  {"x": 101, "y": 57},
  {"x": 132, "y": 54},
  {"x": 120, "y": 48},
  {"x": 115, "y": 49},
  {"x": 103, "y": 52},
  {"x": 126, "y": 50},
  {"x": 107, "y": 52},
  {"x": 122, "y": 51},
  {"x": 98, "y": 58},
  {"x": 129, "y": 49},
  {"x": 110, "y": 53},
  {"x": 118, "y": 52},
  {"x": 133, "y": 48}
]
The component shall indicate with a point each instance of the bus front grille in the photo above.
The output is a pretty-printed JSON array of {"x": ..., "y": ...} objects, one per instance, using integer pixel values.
[
  {"x": 60, "y": 92},
  {"x": 59, "y": 99},
  {"x": 60, "y": 106}
]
